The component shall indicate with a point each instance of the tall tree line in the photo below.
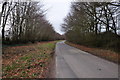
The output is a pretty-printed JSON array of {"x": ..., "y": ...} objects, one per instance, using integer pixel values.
[
  {"x": 92, "y": 23},
  {"x": 23, "y": 22}
]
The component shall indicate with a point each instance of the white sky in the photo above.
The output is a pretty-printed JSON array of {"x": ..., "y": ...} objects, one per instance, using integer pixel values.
[{"x": 57, "y": 11}]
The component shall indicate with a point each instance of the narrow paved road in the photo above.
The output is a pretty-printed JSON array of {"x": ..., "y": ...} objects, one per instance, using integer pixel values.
[{"x": 74, "y": 63}]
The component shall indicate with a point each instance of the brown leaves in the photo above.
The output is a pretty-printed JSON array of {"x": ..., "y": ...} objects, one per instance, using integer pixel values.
[
  {"x": 106, "y": 54},
  {"x": 27, "y": 61}
]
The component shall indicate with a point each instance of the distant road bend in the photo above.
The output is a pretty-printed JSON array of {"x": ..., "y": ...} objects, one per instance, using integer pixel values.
[{"x": 74, "y": 63}]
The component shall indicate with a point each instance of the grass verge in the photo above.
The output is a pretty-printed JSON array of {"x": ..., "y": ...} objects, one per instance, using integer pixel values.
[
  {"x": 105, "y": 54},
  {"x": 27, "y": 61}
]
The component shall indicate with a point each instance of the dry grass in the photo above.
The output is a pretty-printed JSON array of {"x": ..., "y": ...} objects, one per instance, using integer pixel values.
[{"x": 106, "y": 54}]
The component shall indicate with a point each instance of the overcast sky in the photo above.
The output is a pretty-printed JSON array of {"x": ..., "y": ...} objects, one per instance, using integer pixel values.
[{"x": 57, "y": 11}]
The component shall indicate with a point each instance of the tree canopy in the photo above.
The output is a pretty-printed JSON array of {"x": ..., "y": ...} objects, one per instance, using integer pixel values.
[
  {"x": 93, "y": 24},
  {"x": 23, "y": 22}
]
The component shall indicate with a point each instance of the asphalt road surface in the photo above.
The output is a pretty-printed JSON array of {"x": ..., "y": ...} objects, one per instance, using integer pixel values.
[{"x": 74, "y": 63}]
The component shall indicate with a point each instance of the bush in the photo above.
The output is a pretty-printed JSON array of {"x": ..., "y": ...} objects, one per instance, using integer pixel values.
[{"x": 106, "y": 40}]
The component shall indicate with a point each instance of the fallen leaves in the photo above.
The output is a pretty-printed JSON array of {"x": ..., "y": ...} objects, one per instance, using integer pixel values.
[
  {"x": 106, "y": 54},
  {"x": 27, "y": 61}
]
